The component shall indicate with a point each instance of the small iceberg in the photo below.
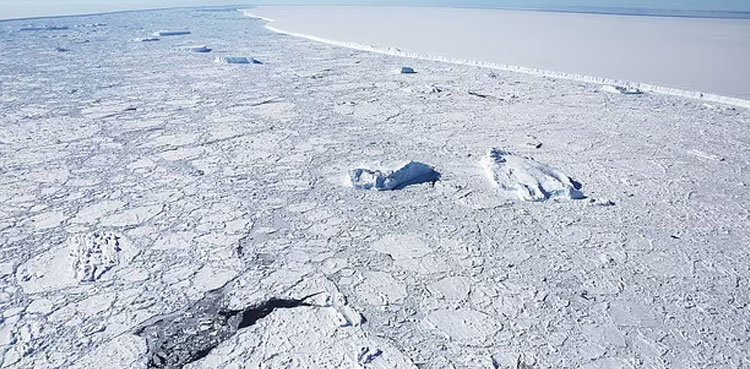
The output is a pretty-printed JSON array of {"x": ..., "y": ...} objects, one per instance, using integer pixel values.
[
  {"x": 408, "y": 174},
  {"x": 198, "y": 49},
  {"x": 147, "y": 39},
  {"x": 407, "y": 70},
  {"x": 624, "y": 90},
  {"x": 45, "y": 28},
  {"x": 237, "y": 60},
  {"x": 171, "y": 33},
  {"x": 528, "y": 180}
]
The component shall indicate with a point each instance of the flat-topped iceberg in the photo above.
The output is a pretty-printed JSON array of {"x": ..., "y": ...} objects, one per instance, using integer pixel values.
[
  {"x": 171, "y": 33},
  {"x": 407, "y": 70},
  {"x": 528, "y": 180},
  {"x": 410, "y": 173},
  {"x": 237, "y": 60},
  {"x": 198, "y": 49}
]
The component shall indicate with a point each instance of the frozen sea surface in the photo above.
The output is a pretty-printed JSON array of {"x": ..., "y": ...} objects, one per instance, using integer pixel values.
[{"x": 226, "y": 240}]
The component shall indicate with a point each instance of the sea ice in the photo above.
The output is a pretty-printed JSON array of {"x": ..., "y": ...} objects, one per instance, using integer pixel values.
[
  {"x": 528, "y": 180},
  {"x": 171, "y": 33},
  {"x": 407, "y": 70},
  {"x": 237, "y": 60},
  {"x": 147, "y": 39},
  {"x": 93, "y": 254},
  {"x": 410, "y": 173}
]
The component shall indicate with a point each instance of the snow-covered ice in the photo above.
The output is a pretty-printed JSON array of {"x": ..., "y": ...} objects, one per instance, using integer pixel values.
[
  {"x": 94, "y": 253},
  {"x": 406, "y": 174},
  {"x": 528, "y": 180},
  {"x": 226, "y": 238}
]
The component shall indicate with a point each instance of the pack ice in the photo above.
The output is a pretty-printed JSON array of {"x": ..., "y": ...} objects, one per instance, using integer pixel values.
[
  {"x": 410, "y": 173},
  {"x": 528, "y": 180}
]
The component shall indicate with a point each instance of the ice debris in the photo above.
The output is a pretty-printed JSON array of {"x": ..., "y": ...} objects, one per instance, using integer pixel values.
[
  {"x": 407, "y": 70},
  {"x": 528, "y": 180},
  {"x": 171, "y": 33},
  {"x": 93, "y": 254},
  {"x": 621, "y": 90},
  {"x": 237, "y": 60},
  {"x": 410, "y": 173}
]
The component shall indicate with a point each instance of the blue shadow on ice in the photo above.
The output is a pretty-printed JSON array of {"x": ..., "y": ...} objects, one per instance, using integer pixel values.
[{"x": 410, "y": 173}]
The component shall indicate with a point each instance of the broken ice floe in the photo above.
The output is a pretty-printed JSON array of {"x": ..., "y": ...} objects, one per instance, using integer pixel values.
[
  {"x": 93, "y": 254},
  {"x": 198, "y": 49},
  {"x": 528, "y": 180},
  {"x": 407, "y": 70},
  {"x": 410, "y": 173},
  {"x": 171, "y": 33},
  {"x": 625, "y": 90},
  {"x": 179, "y": 339},
  {"x": 237, "y": 60}
]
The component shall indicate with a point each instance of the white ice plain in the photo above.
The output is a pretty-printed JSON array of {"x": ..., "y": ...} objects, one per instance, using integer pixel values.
[{"x": 240, "y": 248}]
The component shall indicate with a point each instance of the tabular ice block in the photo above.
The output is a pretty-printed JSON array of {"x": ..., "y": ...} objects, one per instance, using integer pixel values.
[
  {"x": 171, "y": 33},
  {"x": 237, "y": 60},
  {"x": 407, "y": 70},
  {"x": 198, "y": 49},
  {"x": 410, "y": 173},
  {"x": 528, "y": 180},
  {"x": 93, "y": 254}
]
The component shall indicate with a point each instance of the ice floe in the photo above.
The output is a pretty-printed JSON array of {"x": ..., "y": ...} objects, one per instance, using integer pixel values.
[
  {"x": 171, "y": 33},
  {"x": 147, "y": 39},
  {"x": 410, "y": 173},
  {"x": 528, "y": 180},
  {"x": 237, "y": 60},
  {"x": 407, "y": 70},
  {"x": 93, "y": 254}
]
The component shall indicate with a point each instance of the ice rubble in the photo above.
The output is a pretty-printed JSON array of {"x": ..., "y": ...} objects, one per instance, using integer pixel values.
[
  {"x": 528, "y": 180},
  {"x": 171, "y": 33},
  {"x": 93, "y": 254},
  {"x": 621, "y": 90},
  {"x": 410, "y": 173},
  {"x": 407, "y": 70},
  {"x": 237, "y": 60},
  {"x": 198, "y": 49}
]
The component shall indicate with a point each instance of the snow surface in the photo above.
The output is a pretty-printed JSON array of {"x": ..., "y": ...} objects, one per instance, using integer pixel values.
[
  {"x": 225, "y": 184},
  {"x": 672, "y": 55}
]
